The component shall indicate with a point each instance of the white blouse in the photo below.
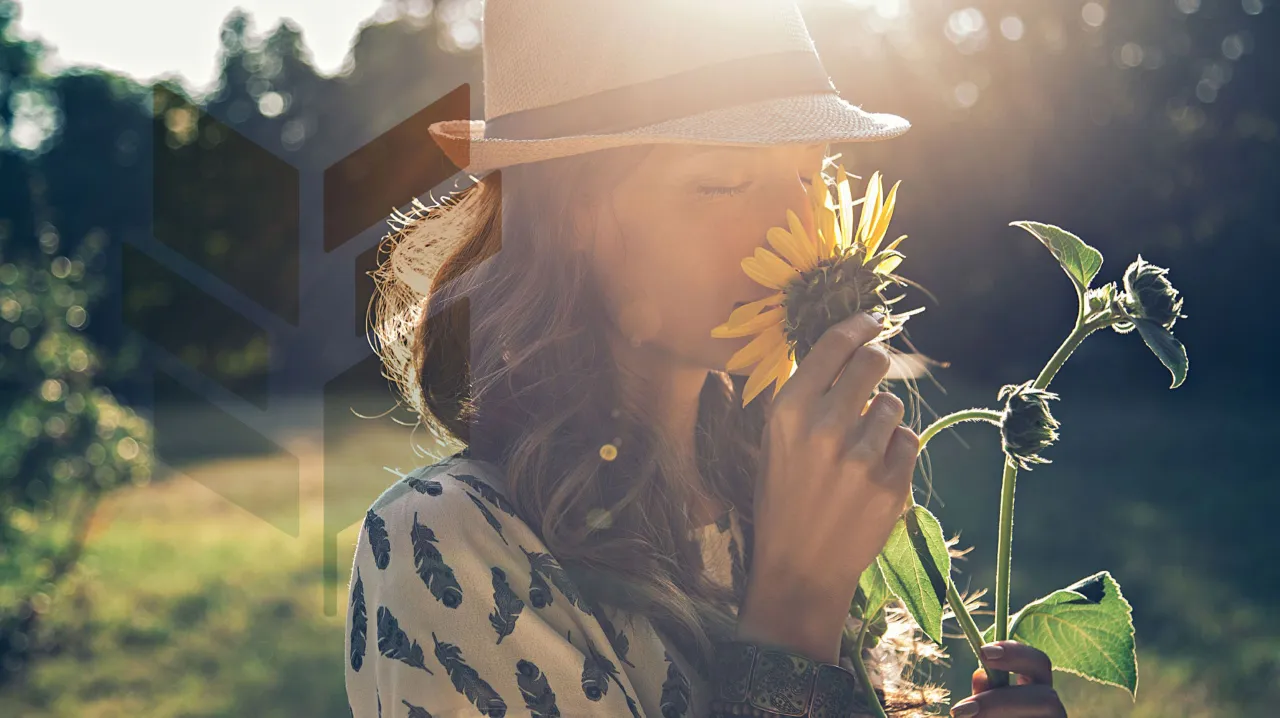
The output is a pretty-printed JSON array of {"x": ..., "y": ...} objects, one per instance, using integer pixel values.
[{"x": 456, "y": 608}]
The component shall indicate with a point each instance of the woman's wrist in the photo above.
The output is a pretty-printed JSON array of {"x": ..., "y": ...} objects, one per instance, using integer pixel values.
[{"x": 777, "y": 613}]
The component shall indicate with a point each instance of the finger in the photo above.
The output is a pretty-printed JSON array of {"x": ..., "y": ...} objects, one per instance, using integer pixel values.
[
  {"x": 979, "y": 682},
  {"x": 1037, "y": 701},
  {"x": 1019, "y": 658},
  {"x": 876, "y": 428},
  {"x": 818, "y": 371},
  {"x": 904, "y": 449},
  {"x": 847, "y": 399}
]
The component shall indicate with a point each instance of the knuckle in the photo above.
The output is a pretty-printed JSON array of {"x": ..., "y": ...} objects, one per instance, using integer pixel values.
[
  {"x": 855, "y": 331},
  {"x": 863, "y": 455},
  {"x": 906, "y": 440},
  {"x": 890, "y": 404},
  {"x": 828, "y": 437},
  {"x": 872, "y": 358}
]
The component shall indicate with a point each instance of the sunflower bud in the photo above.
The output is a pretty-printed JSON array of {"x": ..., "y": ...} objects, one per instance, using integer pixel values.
[
  {"x": 1027, "y": 427},
  {"x": 1149, "y": 295}
]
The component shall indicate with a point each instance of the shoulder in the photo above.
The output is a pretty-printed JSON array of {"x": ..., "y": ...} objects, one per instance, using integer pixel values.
[
  {"x": 449, "y": 515},
  {"x": 446, "y": 483}
]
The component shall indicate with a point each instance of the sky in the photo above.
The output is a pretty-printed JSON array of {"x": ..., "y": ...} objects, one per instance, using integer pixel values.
[{"x": 148, "y": 39}]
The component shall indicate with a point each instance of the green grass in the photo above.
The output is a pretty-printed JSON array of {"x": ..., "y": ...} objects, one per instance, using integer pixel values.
[{"x": 189, "y": 606}]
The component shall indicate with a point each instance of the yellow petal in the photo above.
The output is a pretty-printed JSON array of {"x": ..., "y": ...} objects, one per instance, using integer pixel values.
[
  {"x": 870, "y": 205},
  {"x": 786, "y": 368},
  {"x": 889, "y": 264},
  {"x": 882, "y": 220},
  {"x": 749, "y": 310},
  {"x": 829, "y": 231},
  {"x": 846, "y": 206},
  {"x": 800, "y": 233},
  {"x": 798, "y": 252},
  {"x": 767, "y": 273},
  {"x": 894, "y": 244},
  {"x": 764, "y": 373},
  {"x": 756, "y": 324},
  {"x": 774, "y": 266},
  {"x": 817, "y": 190},
  {"x": 757, "y": 349}
]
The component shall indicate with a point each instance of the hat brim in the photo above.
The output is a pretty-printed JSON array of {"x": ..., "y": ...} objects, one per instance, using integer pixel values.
[{"x": 801, "y": 119}]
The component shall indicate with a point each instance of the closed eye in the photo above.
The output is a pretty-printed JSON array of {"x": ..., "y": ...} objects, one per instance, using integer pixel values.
[{"x": 723, "y": 191}]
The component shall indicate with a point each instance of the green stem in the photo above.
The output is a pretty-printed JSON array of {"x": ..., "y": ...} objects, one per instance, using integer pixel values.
[
  {"x": 873, "y": 702},
  {"x": 1009, "y": 480},
  {"x": 965, "y": 620},
  {"x": 1003, "y": 556},
  {"x": 987, "y": 415}
]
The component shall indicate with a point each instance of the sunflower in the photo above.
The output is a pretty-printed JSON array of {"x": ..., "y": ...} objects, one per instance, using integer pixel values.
[{"x": 819, "y": 280}]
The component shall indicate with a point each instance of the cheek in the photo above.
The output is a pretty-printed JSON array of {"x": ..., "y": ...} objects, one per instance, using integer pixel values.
[{"x": 692, "y": 275}]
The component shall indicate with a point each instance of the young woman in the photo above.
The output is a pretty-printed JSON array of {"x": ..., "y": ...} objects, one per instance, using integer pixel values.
[{"x": 621, "y": 536}]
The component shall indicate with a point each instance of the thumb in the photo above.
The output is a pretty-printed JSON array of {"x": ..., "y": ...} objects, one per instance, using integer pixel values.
[{"x": 979, "y": 681}]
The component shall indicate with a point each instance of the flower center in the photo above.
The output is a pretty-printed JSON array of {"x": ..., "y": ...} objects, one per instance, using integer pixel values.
[{"x": 834, "y": 290}]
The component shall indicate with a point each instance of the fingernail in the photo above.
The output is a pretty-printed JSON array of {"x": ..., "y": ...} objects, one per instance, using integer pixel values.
[
  {"x": 992, "y": 652},
  {"x": 878, "y": 316},
  {"x": 965, "y": 709}
]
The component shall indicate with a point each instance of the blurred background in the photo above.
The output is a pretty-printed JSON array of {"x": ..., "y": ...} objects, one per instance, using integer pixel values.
[{"x": 193, "y": 425}]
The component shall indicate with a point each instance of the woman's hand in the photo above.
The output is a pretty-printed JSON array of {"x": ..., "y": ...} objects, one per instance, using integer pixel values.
[
  {"x": 833, "y": 482},
  {"x": 1032, "y": 697}
]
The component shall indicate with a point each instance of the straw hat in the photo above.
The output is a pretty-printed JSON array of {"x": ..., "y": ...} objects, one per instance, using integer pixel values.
[
  {"x": 567, "y": 77},
  {"x": 564, "y": 77}
]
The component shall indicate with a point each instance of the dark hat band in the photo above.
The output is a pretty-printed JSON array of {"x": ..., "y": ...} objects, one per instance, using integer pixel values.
[{"x": 710, "y": 87}]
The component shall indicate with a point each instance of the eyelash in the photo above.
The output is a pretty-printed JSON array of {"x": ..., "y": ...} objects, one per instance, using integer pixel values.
[{"x": 733, "y": 191}]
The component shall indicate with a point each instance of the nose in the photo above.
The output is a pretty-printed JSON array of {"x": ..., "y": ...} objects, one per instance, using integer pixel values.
[{"x": 795, "y": 197}]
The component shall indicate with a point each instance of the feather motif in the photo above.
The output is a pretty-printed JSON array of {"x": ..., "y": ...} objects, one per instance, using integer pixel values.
[
  {"x": 617, "y": 639},
  {"x": 430, "y": 487},
  {"x": 359, "y": 624},
  {"x": 596, "y": 672},
  {"x": 675, "y": 691},
  {"x": 395, "y": 643},
  {"x": 467, "y": 682},
  {"x": 376, "y": 529},
  {"x": 539, "y": 592},
  {"x": 432, "y": 569},
  {"x": 544, "y": 564},
  {"x": 507, "y": 605},
  {"x": 538, "y": 696},
  {"x": 488, "y": 516},
  {"x": 489, "y": 493},
  {"x": 415, "y": 711}
]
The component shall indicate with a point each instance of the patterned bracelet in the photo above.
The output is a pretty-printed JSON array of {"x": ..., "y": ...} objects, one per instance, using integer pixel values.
[{"x": 766, "y": 681}]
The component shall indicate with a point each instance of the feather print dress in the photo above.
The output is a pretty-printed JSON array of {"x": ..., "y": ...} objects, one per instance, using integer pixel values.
[{"x": 455, "y": 608}]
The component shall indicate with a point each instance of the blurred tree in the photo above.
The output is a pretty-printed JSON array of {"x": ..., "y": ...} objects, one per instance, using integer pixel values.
[
  {"x": 1144, "y": 127},
  {"x": 66, "y": 441}
]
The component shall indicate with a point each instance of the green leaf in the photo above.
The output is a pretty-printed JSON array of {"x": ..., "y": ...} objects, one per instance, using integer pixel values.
[
  {"x": 874, "y": 589},
  {"x": 1080, "y": 261},
  {"x": 1086, "y": 629},
  {"x": 1166, "y": 347},
  {"x": 916, "y": 563}
]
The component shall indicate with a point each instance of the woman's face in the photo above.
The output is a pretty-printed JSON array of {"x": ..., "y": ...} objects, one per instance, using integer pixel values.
[{"x": 671, "y": 238}]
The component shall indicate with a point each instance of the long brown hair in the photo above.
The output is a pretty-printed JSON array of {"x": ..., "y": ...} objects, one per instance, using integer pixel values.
[{"x": 508, "y": 357}]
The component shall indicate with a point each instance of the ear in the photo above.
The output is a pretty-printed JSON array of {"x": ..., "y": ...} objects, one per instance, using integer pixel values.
[{"x": 590, "y": 225}]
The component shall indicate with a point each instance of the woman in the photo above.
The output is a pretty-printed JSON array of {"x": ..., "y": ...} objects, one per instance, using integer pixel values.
[{"x": 620, "y": 534}]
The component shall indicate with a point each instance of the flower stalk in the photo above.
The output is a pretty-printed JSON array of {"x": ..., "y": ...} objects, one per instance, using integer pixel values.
[
  {"x": 1008, "y": 482},
  {"x": 823, "y": 274},
  {"x": 988, "y": 415},
  {"x": 860, "y": 667}
]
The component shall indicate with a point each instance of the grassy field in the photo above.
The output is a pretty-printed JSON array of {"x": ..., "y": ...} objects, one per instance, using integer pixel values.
[{"x": 188, "y": 605}]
